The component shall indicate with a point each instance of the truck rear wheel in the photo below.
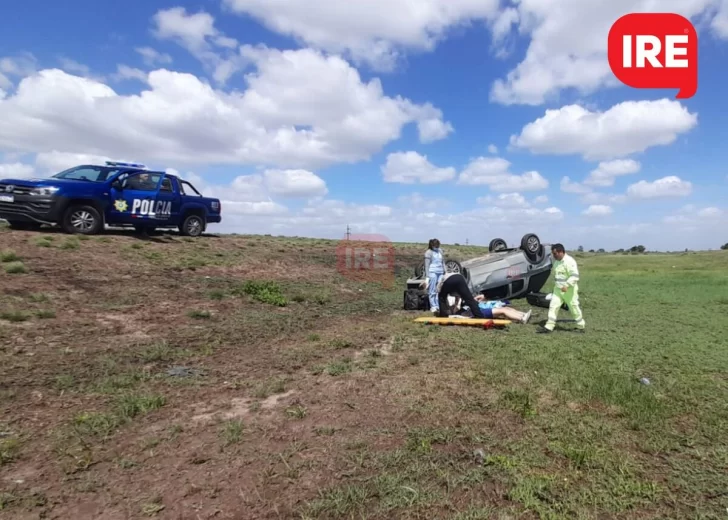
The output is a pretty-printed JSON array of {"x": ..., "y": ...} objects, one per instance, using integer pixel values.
[
  {"x": 193, "y": 226},
  {"x": 82, "y": 219}
]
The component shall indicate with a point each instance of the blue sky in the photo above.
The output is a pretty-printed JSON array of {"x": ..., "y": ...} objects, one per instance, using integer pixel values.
[{"x": 411, "y": 124}]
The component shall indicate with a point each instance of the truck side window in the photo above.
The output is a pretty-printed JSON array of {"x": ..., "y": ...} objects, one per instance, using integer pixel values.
[
  {"x": 142, "y": 181},
  {"x": 166, "y": 185}
]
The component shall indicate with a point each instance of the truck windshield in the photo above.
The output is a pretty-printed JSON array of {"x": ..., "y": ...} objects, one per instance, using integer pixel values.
[{"x": 88, "y": 173}]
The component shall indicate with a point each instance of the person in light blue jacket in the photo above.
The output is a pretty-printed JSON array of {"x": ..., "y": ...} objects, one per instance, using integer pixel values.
[{"x": 434, "y": 270}]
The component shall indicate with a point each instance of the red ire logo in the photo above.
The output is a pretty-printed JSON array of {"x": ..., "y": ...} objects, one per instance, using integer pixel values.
[
  {"x": 367, "y": 258},
  {"x": 655, "y": 50}
]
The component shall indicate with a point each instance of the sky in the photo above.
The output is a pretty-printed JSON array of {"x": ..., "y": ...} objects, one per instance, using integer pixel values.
[{"x": 463, "y": 120}]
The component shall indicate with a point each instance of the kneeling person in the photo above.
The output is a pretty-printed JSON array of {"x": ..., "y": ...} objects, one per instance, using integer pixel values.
[{"x": 454, "y": 284}]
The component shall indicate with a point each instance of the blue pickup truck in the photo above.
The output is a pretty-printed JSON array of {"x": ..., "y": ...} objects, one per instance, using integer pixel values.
[{"x": 87, "y": 198}]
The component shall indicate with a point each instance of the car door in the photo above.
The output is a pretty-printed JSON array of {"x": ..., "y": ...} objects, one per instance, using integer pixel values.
[
  {"x": 169, "y": 199},
  {"x": 135, "y": 199}
]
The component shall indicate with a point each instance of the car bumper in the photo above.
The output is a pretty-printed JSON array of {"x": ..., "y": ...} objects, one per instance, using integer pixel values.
[
  {"x": 214, "y": 219},
  {"x": 30, "y": 208}
]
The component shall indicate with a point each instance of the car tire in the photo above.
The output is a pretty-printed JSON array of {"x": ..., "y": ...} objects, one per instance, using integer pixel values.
[
  {"x": 453, "y": 266},
  {"x": 420, "y": 270},
  {"x": 531, "y": 245},
  {"x": 539, "y": 256},
  {"x": 193, "y": 226},
  {"x": 497, "y": 244},
  {"x": 82, "y": 220}
]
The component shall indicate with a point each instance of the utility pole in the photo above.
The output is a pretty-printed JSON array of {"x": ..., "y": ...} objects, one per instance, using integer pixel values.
[
  {"x": 466, "y": 242},
  {"x": 348, "y": 232}
]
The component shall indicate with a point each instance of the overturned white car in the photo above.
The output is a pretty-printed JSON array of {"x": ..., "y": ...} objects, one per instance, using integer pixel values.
[{"x": 504, "y": 273}]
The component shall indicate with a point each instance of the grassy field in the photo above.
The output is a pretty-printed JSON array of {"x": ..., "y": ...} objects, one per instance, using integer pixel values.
[{"x": 244, "y": 377}]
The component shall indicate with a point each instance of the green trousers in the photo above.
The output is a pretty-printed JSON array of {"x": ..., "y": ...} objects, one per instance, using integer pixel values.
[{"x": 570, "y": 298}]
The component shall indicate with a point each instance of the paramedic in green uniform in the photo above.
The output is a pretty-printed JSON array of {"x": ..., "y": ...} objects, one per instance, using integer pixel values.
[{"x": 566, "y": 289}]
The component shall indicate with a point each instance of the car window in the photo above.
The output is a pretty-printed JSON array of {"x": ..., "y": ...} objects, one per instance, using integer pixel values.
[
  {"x": 142, "y": 181},
  {"x": 188, "y": 189},
  {"x": 166, "y": 185},
  {"x": 85, "y": 173}
]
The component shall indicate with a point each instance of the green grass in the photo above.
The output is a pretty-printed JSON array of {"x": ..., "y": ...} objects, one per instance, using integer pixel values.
[{"x": 567, "y": 428}]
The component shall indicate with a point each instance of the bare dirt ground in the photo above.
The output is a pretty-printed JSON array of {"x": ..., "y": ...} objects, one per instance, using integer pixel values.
[
  {"x": 245, "y": 378},
  {"x": 279, "y": 402}
]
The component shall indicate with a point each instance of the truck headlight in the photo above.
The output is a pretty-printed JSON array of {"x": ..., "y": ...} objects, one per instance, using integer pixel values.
[{"x": 45, "y": 191}]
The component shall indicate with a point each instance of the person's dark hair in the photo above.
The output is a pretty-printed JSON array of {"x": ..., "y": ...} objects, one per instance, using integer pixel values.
[
  {"x": 433, "y": 243},
  {"x": 559, "y": 248}
]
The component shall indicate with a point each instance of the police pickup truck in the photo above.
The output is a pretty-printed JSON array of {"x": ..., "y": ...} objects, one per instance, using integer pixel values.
[{"x": 87, "y": 198}]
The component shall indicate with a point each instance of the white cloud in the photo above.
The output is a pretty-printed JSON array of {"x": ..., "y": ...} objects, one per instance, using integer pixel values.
[
  {"x": 605, "y": 174},
  {"x": 603, "y": 198},
  {"x": 301, "y": 110},
  {"x": 124, "y": 72},
  {"x": 505, "y": 200},
  {"x": 153, "y": 57},
  {"x": 541, "y": 199},
  {"x": 493, "y": 149},
  {"x": 373, "y": 31},
  {"x": 55, "y": 161},
  {"x": 568, "y": 43},
  {"x": 411, "y": 167},
  {"x": 567, "y": 186},
  {"x": 191, "y": 30},
  {"x": 432, "y": 128},
  {"x": 74, "y": 67},
  {"x": 16, "y": 171},
  {"x": 494, "y": 172},
  {"x": 664, "y": 188},
  {"x": 710, "y": 212},
  {"x": 419, "y": 202},
  {"x": 15, "y": 67},
  {"x": 295, "y": 183},
  {"x": 626, "y": 128},
  {"x": 598, "y": 210},
  {"x": 697, "y": 220},
  {"x": 196, "y": 32}
]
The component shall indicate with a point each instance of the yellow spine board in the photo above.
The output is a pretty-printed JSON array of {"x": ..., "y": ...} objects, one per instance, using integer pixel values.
[{"x": 462, "y": 321}]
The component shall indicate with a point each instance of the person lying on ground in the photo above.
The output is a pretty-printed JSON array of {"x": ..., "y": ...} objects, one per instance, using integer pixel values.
[
  {"x": 454, "y": 284},
  {"x": 501, "y": 311}
]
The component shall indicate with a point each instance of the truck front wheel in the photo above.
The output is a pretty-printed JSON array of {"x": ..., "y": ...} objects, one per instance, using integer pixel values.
[
  {"x": 82, "y": 220},
  {"x": 193, "y": 226}
]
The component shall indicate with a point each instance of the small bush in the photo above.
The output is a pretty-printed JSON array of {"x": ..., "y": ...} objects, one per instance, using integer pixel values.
[
  {"x": 8, "y": 256},
  {"x": 14, "y": 316},
  {"x": 265, "y": 292},
  {"x": 70, "y": 243},
  {"x": 15, "y": 268}
]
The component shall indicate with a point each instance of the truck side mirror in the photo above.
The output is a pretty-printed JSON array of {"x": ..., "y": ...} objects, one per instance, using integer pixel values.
[{"x": 117, "y": 185}]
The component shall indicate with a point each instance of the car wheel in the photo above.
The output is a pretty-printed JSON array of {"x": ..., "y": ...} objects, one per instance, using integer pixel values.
[
  {"x": 82, "y": 220},
  {"x": 192, "y": 226},
  {"x": 531, "y": 245},
  {"x": 497, "y": 244},
  {"x": 453, "y": 266}
]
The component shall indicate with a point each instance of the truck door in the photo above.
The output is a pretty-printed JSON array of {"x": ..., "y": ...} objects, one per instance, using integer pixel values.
[
  {"x": 169, "y": 194},
  {"x": 135, "y": 199}
]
